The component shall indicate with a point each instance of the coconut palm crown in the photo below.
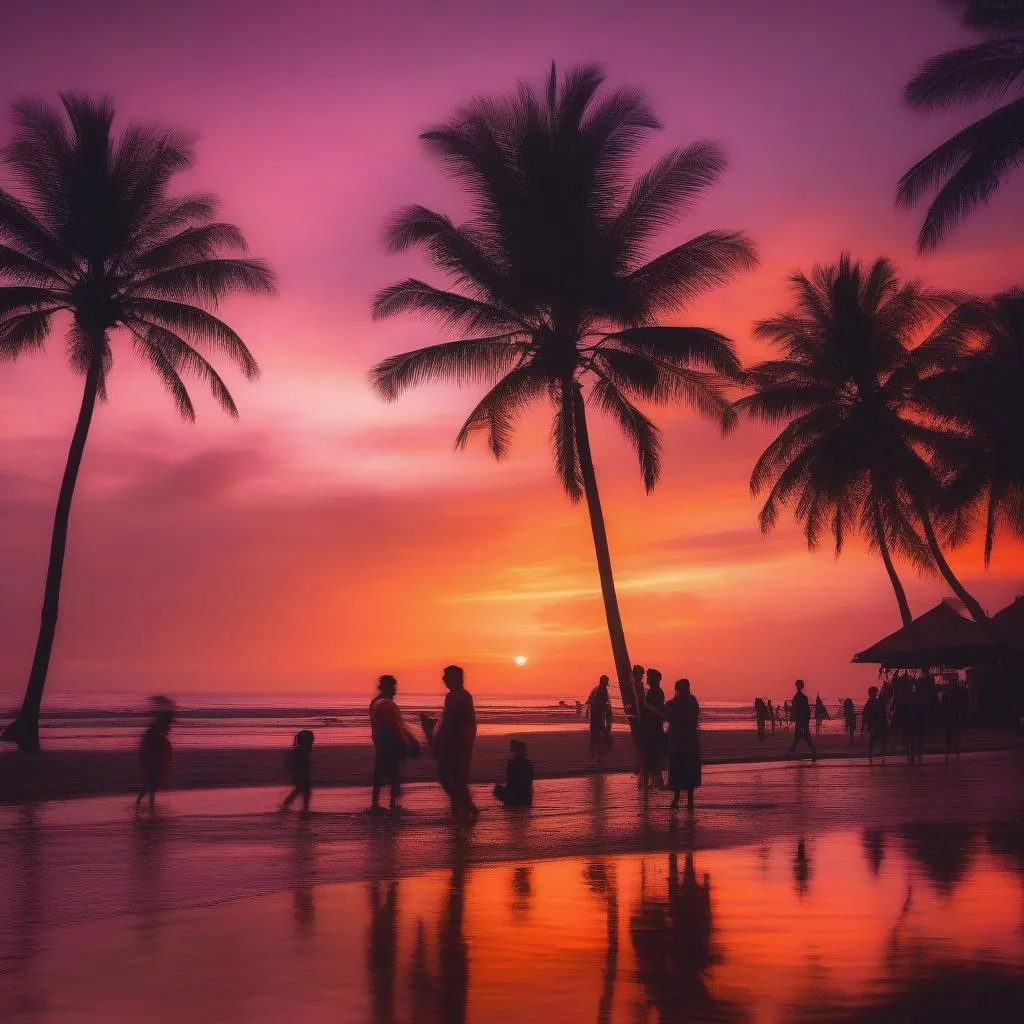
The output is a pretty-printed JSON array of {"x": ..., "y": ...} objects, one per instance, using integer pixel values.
[
  {"x": 553, "y": 292},
  {"x": 852, "y": 458}
]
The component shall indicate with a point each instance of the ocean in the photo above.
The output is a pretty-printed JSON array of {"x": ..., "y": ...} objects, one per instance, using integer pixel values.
[{"x": 115, "y": 720}]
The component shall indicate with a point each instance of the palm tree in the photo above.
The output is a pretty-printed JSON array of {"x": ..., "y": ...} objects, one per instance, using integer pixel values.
[
  {"x": 851, "y": 458},
  {"x": 96, "y": 237},
  {"x": 552, "y": 281},
  {"x": 968, "y": 168},
  {"x": 978, "y": 395}
]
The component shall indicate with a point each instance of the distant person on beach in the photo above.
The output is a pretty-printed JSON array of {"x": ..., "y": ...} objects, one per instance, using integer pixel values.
[
  {"x": 872, "y": 718},
  {"x": 820, "y": 713},
  {"x": 518, "y": 788},
  {"x": 684, "y": 767},
  {"x": 773, "y": 715},
  {"x": 637, "y": 678},
  {"x": 393, "y": 742},
  {"x": 300, "y": 769},
  {"x": 954, "y": 707},
  {"x": 800, "y": 709},
  {"x": 599, "y": 711},
  {"x": 787, "y": 713},
  {"x": 452, "y": 743},
  {"x": 155, "y": 751},
  {"x": 760, "y": 714},
  {"x": 652, "y": 731},
  {"x": 850, "y": 717}
]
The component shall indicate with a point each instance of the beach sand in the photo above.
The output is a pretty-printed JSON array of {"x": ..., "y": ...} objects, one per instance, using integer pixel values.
[
  {"x": 830, "y": 892},
  {"x": 558, "y": 754}
]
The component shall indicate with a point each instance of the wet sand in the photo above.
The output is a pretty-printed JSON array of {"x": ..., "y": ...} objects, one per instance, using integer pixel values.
[
  {"x": 833, "y": 892},
  {"x": 70, "y": 773}
]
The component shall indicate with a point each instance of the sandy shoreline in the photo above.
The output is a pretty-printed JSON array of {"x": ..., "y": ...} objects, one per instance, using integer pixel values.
[{"x": 79, "y": 773}]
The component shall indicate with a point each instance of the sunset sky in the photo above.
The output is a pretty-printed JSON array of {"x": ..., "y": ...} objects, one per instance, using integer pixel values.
[{"x": 324, "y": 537}]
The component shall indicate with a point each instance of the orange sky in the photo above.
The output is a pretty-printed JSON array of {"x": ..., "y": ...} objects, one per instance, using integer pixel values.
[{"x": 325, "y": 538}]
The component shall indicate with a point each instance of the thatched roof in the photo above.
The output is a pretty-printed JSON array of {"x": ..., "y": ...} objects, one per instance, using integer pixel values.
[
  {"x": 941, "y": 637},
  {"x": 1009, "y": 625}
]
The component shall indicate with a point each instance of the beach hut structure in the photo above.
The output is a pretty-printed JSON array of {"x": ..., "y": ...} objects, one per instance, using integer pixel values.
[
  {"x": 1009, "y": 625},
  {"x": 940, "y": 637}
]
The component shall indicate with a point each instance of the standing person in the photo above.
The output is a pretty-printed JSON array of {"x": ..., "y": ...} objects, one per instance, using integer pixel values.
[
  {"x": 155, "y": 751},
  {"x": 820, "y": 713},
  {"x": 800, "y": 709},
  {"x": 684, "y": 768},
  {"x": 760, "y": 713},
  {"x": 872, "y": 718},
  {"x": 637, "y": 678},
  {"x": 518, "y": 788},
  {"x": 452, "y": 744},
  {"x": 300, "y": 770},
  {"x": 393, "y": 742},
  {"x": 652, "y": 731},
  {"x": 850, "y": 717},
  {"x": 953, "y": 704},
  {"x": 773, "y": 715},
  {"x": 787, "y": 713},
  {"x": 599, "y": 711}
]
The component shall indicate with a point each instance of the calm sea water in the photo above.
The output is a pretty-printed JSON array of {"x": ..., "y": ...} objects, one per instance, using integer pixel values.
[{"x": 114, "y": 720}]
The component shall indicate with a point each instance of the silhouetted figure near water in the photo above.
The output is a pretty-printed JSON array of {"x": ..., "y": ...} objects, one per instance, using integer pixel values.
[
  {"x": 382, "y": 950},
  {"x": 954, "y": 705},
  {"x": 760, "y": 714},
  {"x": 518, "y": 788},
  {"x": 652, "y": 731},
  {"x": 801, "y": 869},
  {"x": 300, "y": 769},
  {"x": 684, "y": 767},
  {"x": 872, "y": 718},
  {"x": 800, "y": 709},
  {"x": 599, "y": 708},
  {"x": 393, "y": 742},
  {"x": 820, "y": 713},
  {"x": 850, "y": 718},
  {"x": 452, "y": 743},
  {"x": 155, "y": 751}
]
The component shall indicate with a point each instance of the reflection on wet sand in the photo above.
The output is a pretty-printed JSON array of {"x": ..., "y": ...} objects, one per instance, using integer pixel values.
[{"x": 863, "y": 925}]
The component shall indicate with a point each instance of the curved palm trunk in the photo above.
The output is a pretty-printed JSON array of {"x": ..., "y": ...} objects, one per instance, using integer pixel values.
[
  {"x": 890, "y": 568},
  {"x": 970, "y": 602},
  {"x": 24, "y": 730},
  {"x": 604, "y": 565}
]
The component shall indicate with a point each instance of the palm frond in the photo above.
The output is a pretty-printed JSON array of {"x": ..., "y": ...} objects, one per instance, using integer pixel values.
[
  {"x": 681, "y": 346},
  {"x": 207, "y": 280},
  {"x": 565, "y": 443},
  {"x": 496, "y": 413},
  {"x": 985, "y": 71},
  {"x": 678, "y": 276},
  {"x": 23, "y": 332},
  {"x": 191, "y": 245},
  {"x": 449, "y": 310},
  {"x": 641, "y": 433},
  {"x": 967, "y": 168},
  {"x": 473, "y": 360}
]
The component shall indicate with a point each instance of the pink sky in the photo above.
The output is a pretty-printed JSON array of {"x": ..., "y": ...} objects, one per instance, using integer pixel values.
[{"x": 325, "y": 537}]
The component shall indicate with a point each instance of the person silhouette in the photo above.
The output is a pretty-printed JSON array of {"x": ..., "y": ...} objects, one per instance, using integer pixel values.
[
  {"x": 872, "y": 718},
  {"x": 684, "y": 769},
  {"x": 452, "y": 744},
  {"x": 652, "y": 731},
  {"x": 300, "y": 769},
  {"x": 850, "y": 718},
  {"x": 800, "y": 709},
  {"x": 155, "y": 751},
  {"x": 599, "y": 708},
  {"x": 393, "y": 742},
  {"x": 518, "y": 788},
  {"x": 820, "y": 713},
  {"x": 760, "y": 714}
]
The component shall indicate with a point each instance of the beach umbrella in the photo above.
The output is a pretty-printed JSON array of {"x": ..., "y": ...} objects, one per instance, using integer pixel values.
[{"x": 941, "y": 636}]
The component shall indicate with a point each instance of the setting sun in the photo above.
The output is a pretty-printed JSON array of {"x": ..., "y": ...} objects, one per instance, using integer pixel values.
[{"x": 520, "y": 660}]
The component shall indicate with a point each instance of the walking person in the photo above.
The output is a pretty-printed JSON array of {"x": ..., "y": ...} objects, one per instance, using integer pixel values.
[
  {"x": 155, "y": 751},
  {"x": 300, "y": 770},
  {"x": 800, "y": 710},
  {"x": 872, "y": 718},
  {"x": 652, "y": 731},
  {"x": 599, "y": 709},
  {"x": 452, "y": 743},
  {"x": 684, "y": 765},
  {"x": 393, "y": 742},
  {"x": 850, "y": 717}
]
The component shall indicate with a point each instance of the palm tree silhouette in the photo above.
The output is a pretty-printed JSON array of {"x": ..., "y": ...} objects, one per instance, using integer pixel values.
[
  {"x": 968, "y": 168},
  {"x": 552, "y": 280},
  {"x": 96, "y": 235},
  {"x": 851, "y": 459},
  {"x": 979, "y": 395}
]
